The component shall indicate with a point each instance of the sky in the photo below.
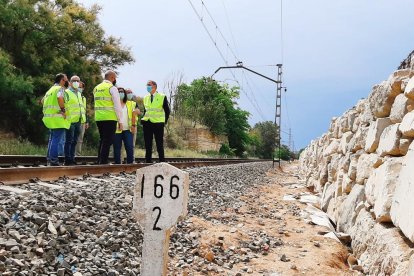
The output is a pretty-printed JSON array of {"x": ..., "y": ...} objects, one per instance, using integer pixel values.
[{"x": 333, "y": 52}]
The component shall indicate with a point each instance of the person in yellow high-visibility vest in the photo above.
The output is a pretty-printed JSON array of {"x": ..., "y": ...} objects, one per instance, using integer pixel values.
[
  {"x": 130, "y": 112},
  {"x": 54, "y": 116},
  {"x": 108, "y": 113},
  {"x": 74, "y": 109},
  {"x": 156, "y": 113},
  {"x": 84, "y": 121}
]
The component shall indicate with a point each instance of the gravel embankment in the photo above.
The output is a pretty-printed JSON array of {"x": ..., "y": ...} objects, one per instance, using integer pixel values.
[{"x": 89, "y": 228}]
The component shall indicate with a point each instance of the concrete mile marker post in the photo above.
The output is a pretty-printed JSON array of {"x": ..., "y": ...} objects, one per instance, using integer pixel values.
[{"x": 160, "y": 199}]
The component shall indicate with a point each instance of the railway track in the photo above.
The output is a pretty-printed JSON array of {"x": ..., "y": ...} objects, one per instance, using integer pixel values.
[{"x": 18, "y": 169}]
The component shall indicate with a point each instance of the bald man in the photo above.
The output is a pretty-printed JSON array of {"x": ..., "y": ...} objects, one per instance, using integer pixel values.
[{"x": 107, "y": 114}]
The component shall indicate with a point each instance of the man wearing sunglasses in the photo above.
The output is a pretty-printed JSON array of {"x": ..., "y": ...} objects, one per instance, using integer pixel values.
[{"x": 155, "y": 116}]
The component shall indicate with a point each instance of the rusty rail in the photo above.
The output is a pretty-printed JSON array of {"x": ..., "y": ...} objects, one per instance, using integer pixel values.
[
  {"x": 9, "y": 176},
  {"x": 36, "y": 160}
]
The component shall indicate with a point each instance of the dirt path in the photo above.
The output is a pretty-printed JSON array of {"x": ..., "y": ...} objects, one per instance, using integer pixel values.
[{"x": 266, "y": 236}]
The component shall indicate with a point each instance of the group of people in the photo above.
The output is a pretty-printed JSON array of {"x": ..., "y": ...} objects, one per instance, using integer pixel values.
[{"x": 116, "y": 116}]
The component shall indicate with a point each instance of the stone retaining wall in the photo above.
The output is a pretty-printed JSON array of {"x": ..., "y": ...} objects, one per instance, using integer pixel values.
[{"x": 363, "y": 168}]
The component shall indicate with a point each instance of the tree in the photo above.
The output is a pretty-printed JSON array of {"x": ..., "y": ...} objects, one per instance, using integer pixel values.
[
  {"x": 265, "y": 133},
  {"x": 207, "y": 102},
  {"x": 284, "y": 153},
  {"x": 40, "y": 38}
]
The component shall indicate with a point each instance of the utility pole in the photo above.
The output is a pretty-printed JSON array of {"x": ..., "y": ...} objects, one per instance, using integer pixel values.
[
  {"x": 290, "y": 139},
  {"x": 278, "y": 114}
]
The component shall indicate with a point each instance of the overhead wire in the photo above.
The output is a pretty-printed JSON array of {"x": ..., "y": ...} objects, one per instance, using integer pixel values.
[
  {"x": 248, "y": 93},
  {"x": 218, "y": 49},
  {"x": 230, "y": 28}
]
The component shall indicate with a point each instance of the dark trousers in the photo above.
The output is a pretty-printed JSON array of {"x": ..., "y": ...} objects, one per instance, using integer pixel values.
[
  {"x": 126, "y": 137},
  {"x": 106, "y": 139},
  {"x": 70, "y": 144},
  {"x": 153, "y": 130}
]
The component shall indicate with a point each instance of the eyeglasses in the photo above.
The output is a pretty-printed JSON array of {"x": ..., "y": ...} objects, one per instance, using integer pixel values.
[{"x": 149, "y": 84}]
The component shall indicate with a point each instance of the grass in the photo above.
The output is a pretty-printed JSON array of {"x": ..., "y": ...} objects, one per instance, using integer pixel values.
[
  {"x": 24, "y": 147},
  {"x": 16, "y": 147}
]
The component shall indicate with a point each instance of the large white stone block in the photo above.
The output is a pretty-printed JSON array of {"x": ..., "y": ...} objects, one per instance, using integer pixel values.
[
  {"x": 407, "y": 125},
  {"x": 356, "y": 124},
  {"x": 397, "y": 80},
  {"x": 404, "y": 145},
  {"x": 352, "y": 170},
  {"x": 374, "y": 133},
  {"x": 347, "y": 210},
  {"x": 344, "y": 143},
  {"x": 399, "y": 108},
  {"x": 381, "y": 99},
  {"x": 347, "y": 184},
  {"x": 380, "y": 188},
  {"x": 327, "y": 195},
  {"x": 358, "y": 140},
  {"x": 334, "y": 207},
  {"x": 402, "y": 208},
  {"x": 390, "y": 141},
  {"x": 409, "y": 89},
  {"x": 366, "y": 164},
  {"x": 367, "y": 115},
  {"x": 380, "y": 248},
  {"x": 332, "y": 148}
]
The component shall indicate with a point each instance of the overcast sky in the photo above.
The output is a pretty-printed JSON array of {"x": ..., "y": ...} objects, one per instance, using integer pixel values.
[{"x": 333, "y": 51}]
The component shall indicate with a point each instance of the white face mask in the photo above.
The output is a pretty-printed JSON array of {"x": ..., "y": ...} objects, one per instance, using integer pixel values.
[{"x": 75, "y": 84}]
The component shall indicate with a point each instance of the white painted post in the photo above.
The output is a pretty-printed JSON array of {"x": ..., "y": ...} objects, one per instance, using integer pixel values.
[{"x": 160, "y": 199}]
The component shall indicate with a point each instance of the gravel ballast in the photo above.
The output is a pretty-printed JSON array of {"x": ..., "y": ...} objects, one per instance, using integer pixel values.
[{"x": 89, "y": 229}]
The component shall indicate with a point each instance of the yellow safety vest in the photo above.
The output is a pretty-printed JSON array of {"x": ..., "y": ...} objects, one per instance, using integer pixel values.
[
  {"x": 130, "y": 106},
  {"x": 83, "y": 109},
  {"x": 74, "y": 102},
  {"x": 52, "y": 117},
  {"x": 154, "y": 111},
  {"x": 104, "y": 106}
]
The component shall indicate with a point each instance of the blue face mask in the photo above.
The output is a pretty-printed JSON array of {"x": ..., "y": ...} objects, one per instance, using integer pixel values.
[
  {"x": 121, "y": 96},
  {"x": 129, "y": 96},
  {"x": 149, "y": 88}
]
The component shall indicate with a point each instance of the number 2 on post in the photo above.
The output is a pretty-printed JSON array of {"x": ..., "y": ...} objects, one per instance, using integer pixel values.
[{"x": 155, "y": 227}]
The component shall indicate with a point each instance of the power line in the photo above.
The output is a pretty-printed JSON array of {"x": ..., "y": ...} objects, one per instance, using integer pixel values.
[
  {"x": 251, "y": 96},
  {"x": 219, "y": 30},
  {"x": 230, "y": 28},
  {"x": 208, "y": 32},
  {"x": 252, "y": 101}
]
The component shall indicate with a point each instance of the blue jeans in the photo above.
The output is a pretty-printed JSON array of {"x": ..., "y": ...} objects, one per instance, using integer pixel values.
[
  {"x": 61, "y": 146},
  {"x": 125, "y": 136},
  {"x": 71, "y": 139},
  {"x": 52, "y": 149}
]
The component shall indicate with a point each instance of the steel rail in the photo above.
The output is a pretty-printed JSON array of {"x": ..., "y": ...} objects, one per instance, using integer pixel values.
[
  {"x": 11, "y": 176},
  {"x": 36, "y": 160}
]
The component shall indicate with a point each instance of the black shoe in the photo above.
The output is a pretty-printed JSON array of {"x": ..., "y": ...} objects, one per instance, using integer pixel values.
[{"x": 53, "y": 164}]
